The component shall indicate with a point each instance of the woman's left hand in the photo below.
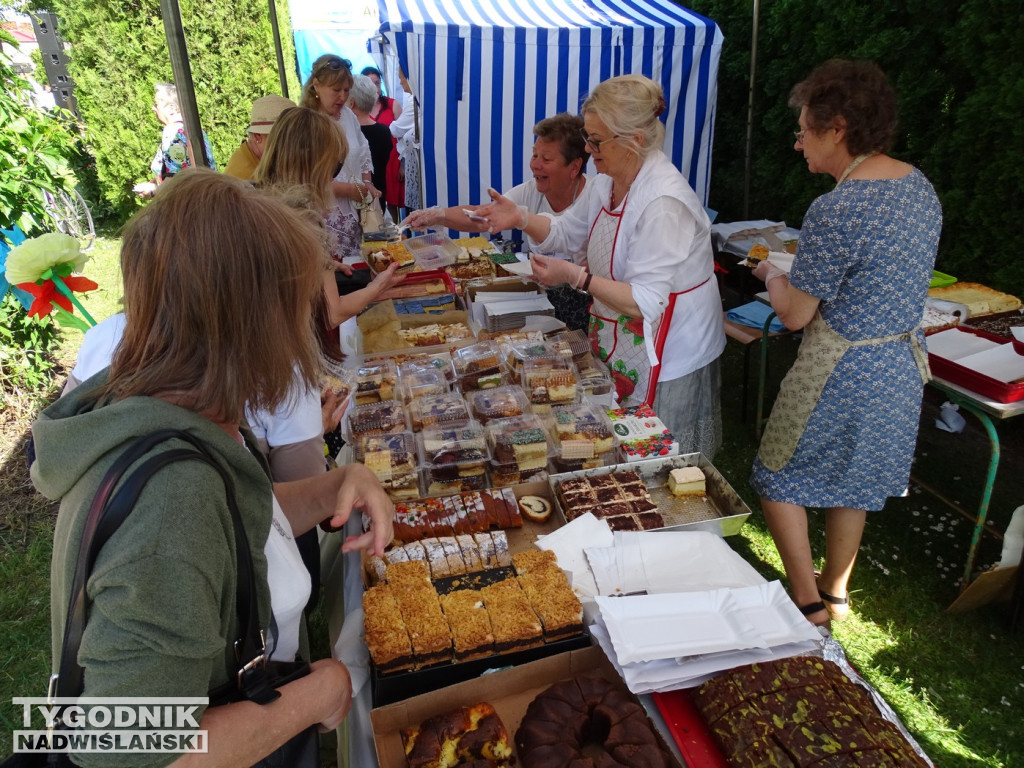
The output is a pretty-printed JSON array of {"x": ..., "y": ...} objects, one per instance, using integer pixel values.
[
  {"x": 387, "y": 279},
  {"x": 765, "y": 270},
  {"x": 550, "y": 271},
  {"x": 374, "y": 192}
]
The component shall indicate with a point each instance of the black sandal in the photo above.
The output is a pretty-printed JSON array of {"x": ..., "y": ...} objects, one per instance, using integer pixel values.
[
  {"x": 812, "y": 608},
  {"x": 838, "y": 607}
]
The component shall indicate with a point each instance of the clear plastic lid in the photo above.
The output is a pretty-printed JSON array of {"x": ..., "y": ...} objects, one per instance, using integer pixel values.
[
  {"x": 441, "y": 410},
  {"x": 337, "y": 379},
  {"x": 477, "y": 381},
  {"x": 518, "y": 351},
  {"x": 398, "y": 449},
  {"x": 420, "y": 382},
  {"x": 550, "y": 379},
  {"x": 581, "y": 432},
  {"x": 574, "y": 343},
  {"x": 444, "y": 445},
  {"x": 433, "y": 250},
  {"x": 386, "y": 417},
  {"x": 560, "y": 464},
  {"x": 438, "y": 358},
  {"x": 482, "y": 357},
  {"x": 376, "y": 382},
  {"x": 498, "y": 403},
  {"x": 521, "y": 441}
]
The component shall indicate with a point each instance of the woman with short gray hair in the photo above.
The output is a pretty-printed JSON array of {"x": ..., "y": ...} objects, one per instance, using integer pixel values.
[
  {"x": 172, "y": 154},
  {"x": 362, "y": 98}
]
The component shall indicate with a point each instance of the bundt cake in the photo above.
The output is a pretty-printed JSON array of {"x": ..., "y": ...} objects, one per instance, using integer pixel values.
[{"x": 587, "y": 722}]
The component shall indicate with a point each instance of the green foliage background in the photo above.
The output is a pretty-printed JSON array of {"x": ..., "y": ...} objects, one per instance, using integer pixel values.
[
  {"x": 119, "y": 51},
  {"x": 958, "y": 66}
]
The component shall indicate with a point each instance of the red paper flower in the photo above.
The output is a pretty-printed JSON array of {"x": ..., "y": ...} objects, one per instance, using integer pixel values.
[{"x": 46, "y": 294}]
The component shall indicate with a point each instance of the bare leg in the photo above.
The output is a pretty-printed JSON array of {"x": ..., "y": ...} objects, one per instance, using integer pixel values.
[
  {"x": 843, "y": 530},
  {"x": 788, "y": 526}
]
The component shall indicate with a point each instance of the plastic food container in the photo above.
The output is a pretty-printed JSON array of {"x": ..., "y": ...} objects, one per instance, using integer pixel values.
[
  {"x": 440, "y": 410},
  {"x": 438, "y": 358},
  {"x": 418, "y": 382},
  {"x": 498, "y": 403},
  {"x": 595, "y": 378},
  {"x": 519, "y": 351},
  {"x": 433, "y": 250},
  {"x": 552, "y": 379},
  {"x": 392, "y": 459},
  {"x": 478, "y": 366},
  {"x": 574, "y": 343},
  {"x": 376, "y": 382},
  {"x": 387, "y": 417},
  {"x": 519, "y": 448},
  {"x": 453, "y": 459},
  {"x": 582, "y": 431}
]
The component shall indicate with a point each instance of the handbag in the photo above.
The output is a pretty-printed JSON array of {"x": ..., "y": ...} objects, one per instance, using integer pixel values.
[
  {"x": 371, "y": 218},
  {"x": 255, "y": 680}
]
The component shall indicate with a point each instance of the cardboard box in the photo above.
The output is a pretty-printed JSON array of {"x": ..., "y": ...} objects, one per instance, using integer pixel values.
[
  {"x": 509, "y": 691},
  {"x": 642, "y": 435}
]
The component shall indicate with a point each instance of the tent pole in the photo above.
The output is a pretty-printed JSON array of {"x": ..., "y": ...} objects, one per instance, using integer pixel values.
[
  {"x": 183, "y": 82},
  {"x": 750, "y": 116},
  {"x": 277, "y": 48}
]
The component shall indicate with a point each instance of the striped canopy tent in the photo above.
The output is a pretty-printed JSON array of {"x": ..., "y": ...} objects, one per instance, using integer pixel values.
[{"x": 485, "y": 71}]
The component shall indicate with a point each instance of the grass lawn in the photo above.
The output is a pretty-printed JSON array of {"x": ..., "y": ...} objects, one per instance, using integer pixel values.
[{"x": 955, "y": 679}]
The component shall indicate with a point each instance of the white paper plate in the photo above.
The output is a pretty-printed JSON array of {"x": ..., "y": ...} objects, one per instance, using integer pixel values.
[
  {"x": 521, "y": 268},
  {"x": 775, "y": 615},
  {"x": 649, "y": 627}
]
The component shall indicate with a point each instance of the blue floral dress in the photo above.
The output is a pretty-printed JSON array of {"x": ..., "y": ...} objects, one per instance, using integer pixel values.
[{"x": 866, "y": 250}]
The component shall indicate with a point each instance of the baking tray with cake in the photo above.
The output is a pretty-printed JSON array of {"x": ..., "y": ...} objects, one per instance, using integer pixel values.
[
  {"x": 617, "y": 491},
  {"x": 425, "y": 632},
  {"x": 417, "y": 284}
]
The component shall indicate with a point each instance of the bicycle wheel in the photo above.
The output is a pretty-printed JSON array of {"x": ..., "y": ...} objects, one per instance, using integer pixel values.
[{"x": 71, "y": 215}]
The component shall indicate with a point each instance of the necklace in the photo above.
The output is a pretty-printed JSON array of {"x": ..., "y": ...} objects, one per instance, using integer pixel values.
[{"x": 856, "y": 161}]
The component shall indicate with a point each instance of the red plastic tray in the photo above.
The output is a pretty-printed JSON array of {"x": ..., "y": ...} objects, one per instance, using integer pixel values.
[
  {"x": 419, "y": 277},
  {"x": 690, "y": 732},
  {"x": 1000, "y": 391}
]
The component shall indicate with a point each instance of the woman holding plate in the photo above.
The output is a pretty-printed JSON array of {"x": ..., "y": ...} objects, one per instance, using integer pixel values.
[{"x": 842, "y": 433}]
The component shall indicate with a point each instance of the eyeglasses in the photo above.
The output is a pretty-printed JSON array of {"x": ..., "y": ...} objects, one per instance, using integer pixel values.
[
  {"x": 799, "y": 135},
  {"x": 595, "y": 144},
  {"x": 335, "y": 63}
]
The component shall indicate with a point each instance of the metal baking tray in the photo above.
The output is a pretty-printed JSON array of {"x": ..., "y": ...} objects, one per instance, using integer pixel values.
[{"x": 722, "y": 511}]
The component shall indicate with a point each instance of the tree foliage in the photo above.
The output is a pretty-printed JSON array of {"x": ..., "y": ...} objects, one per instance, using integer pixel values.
[
  {"x": 958, "y": 66},
  {"x": 119, "y": 51},
  {"x": 35, "y": 150}
]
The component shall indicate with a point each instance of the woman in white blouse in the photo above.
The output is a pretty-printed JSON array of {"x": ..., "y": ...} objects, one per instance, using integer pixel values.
[
  {"x": 327, "y": 91},
  {"x": 656, "y": 316}
]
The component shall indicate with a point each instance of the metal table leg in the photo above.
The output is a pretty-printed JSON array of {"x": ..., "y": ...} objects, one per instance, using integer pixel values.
[
  {"x": 986, "y": 495},
  {"x": 762, "y": 374}
]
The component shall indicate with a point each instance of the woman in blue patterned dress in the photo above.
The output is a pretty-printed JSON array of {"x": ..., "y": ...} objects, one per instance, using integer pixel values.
[{"x": 842, "y": 433}]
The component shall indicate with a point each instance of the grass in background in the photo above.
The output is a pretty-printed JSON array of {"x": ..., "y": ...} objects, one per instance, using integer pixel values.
[{"x": 955, "y": 679}]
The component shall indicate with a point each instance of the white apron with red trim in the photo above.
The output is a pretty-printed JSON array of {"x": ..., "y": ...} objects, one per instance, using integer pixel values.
[{"x": 617, "y": 339}]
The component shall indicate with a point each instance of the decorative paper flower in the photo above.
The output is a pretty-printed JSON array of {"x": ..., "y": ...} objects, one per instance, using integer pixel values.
[
  {"x": 41, "y": 268},
  {"x": 27, "y": 262}
]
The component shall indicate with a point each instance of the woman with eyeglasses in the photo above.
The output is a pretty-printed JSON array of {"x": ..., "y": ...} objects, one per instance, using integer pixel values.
[
  {"x": 385, "y": 111},
  {"x": 327, "y": 92},
  {"x": 656, "y": 316},
  {"x": 842, "y": 433}
]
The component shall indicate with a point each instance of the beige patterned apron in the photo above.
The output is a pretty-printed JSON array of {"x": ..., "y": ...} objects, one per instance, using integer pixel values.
[{"x": 820, "y": 351}]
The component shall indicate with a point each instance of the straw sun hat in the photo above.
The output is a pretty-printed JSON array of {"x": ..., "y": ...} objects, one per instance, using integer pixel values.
[{"x": 265, "y": 111}]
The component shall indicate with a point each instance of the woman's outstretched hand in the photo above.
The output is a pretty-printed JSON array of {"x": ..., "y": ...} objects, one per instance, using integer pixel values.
[{"x": 501, "y": 212}]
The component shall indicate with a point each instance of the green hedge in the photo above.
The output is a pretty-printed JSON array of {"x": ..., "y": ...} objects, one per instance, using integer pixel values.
[
  {"x": 959, "y": 70},
  {"x": 118, "y": 52}
]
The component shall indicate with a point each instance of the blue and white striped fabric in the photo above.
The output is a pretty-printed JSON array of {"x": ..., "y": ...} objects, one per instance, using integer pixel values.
[{"x": 485, "y": 72}]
